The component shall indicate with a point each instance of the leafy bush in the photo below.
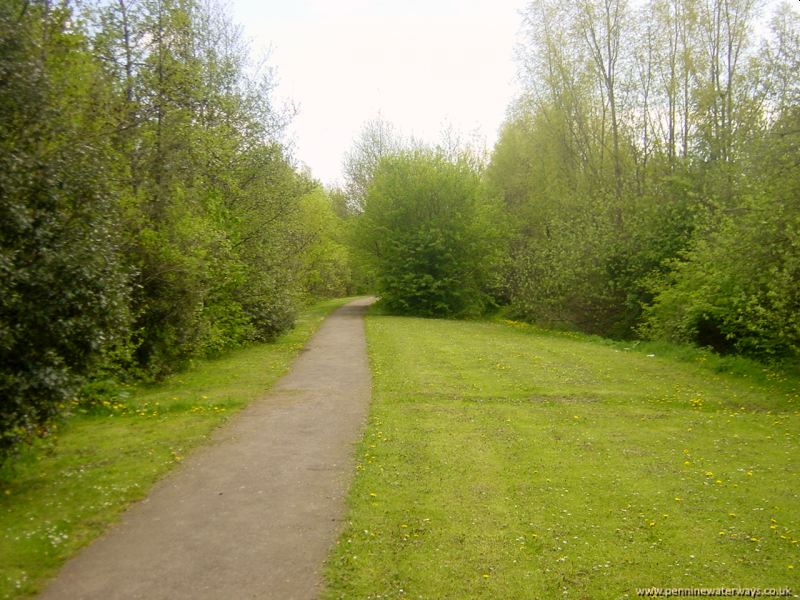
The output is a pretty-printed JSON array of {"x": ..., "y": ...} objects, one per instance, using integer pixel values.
[
  {"x": 62, "y": 290},
  {"x": 737, "y": 288},
  {"x": 424, "y": 233}
]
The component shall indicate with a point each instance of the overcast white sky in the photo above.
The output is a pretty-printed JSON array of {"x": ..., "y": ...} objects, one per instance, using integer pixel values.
[{"x": 422, "y": 65}]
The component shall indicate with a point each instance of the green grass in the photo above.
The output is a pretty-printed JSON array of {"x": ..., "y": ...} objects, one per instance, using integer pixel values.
[
  {"x": 62, "y": 493},
  {"x": 505, "y": 462}
]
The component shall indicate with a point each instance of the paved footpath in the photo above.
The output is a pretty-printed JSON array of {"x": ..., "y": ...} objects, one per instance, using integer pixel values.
[{"x": 254, "y": 513}]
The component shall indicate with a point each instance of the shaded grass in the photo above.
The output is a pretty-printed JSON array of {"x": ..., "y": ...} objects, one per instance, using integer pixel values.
[
  {"x": 501, "y": 462},
  {"x": 65, "y": 491}
]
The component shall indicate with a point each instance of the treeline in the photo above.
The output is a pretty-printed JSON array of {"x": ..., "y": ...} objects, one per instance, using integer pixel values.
[
  {"x": 650, "y": 173},
  {"x": 646, "y": 184},
  {"x": 149, "y": 211}
]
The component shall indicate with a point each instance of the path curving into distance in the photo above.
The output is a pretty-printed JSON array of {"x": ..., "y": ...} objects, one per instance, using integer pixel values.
[{"x": 254, "y": 513}]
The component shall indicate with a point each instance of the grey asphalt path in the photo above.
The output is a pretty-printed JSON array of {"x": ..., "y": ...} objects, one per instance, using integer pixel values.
[{"x": 253, "y": 514}]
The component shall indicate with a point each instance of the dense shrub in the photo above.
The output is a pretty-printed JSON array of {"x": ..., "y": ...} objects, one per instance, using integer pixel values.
[
  {"x": 149, "y": 213},
  {"x": 737, "y": 288},
  {"x": 62, "y": 290},
  {"x": 425, "y": 234}
]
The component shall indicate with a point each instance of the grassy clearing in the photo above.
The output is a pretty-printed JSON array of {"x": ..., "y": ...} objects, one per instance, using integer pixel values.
[
  {"x": 502, "y": 462},
  {"x": 63, "y": 493}
]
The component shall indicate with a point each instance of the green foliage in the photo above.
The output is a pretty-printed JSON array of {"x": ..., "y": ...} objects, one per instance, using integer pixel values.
[
  {"x": 62, "y": 289},
  {"x": 214, "y": 217},
  {"x": 150, "y": 213},
  {"x": 211, "y": 200},
  {"x": 424, "y": 233},
  {"x": 736, "y": 289},
  {"x": 269, "y": 239},
  {"x": 668, "y": 212},
  {"x": 576, "y": 253},
  {"x": 326, "y": 259}
]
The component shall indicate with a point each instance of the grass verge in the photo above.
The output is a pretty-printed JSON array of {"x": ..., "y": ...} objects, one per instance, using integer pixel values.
[
  {"x": 65, "y": 491},
  {"x": 502, "y": 462}
]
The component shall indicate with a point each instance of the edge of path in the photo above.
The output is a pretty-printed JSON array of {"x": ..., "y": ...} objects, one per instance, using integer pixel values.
[{"x": 254, "y": 513}]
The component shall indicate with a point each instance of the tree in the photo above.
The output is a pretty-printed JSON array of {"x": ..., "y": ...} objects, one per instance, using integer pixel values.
[
  {"x": 378, "y": 138},
  {"x": 210, "y": 196},
  {"x": 423, "y": 231},
  {"x": 63, "y": 291},
  {"x": 326, "y": 259}
]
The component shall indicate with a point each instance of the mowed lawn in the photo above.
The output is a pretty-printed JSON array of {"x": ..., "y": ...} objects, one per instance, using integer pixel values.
[
  {"x": 502, "y": 462},
  {"x": 61, "y": 494}
]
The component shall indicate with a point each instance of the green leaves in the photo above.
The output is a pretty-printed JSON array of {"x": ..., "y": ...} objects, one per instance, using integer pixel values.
[
  {"x": 63, "y": 293},
  {"x": 149, "y": 215},
  {"x": 425, "y": 235},
  {"x": 677, "y": 218},
  {"x": 737, "y": 291}
]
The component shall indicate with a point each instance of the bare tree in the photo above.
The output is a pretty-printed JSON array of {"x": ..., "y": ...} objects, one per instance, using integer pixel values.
[{"x": 378, "y": 138}]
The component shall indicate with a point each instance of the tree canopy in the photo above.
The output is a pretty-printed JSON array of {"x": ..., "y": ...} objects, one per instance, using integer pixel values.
[
  {"x": 150, "y": 212},
  {"x": 425, "y": 234}
]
